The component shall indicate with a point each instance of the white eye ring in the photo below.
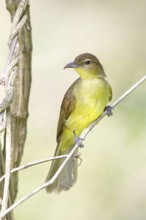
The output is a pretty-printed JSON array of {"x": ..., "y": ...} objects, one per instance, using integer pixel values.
[{"x": 87, "y": 62}]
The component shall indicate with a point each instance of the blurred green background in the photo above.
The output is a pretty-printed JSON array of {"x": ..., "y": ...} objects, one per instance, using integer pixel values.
[{"x": 112, "y": 177}]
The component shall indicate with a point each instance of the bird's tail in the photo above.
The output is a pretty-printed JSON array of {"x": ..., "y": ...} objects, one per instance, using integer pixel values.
[{"x": 68, "y": 175}]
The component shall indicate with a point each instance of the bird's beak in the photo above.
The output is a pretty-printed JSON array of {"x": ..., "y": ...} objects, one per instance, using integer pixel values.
[{"x": 71, "y": 65}]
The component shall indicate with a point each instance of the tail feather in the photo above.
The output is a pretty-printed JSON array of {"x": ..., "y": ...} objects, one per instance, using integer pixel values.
[{"x": 68, "y": 175}]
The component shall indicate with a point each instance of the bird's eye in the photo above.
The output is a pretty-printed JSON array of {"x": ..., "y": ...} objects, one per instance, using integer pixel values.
[{"x": 87, "y": 62}]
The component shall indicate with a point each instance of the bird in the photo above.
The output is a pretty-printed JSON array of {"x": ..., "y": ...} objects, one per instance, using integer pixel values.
[{"x": 83, "y": 103}]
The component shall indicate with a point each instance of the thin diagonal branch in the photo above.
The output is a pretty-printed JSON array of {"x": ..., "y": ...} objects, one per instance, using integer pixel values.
[
  {"x": 16, "y": 24},
  {"x": 42, "y": 186},
  {"x": 17, "y": 29},
  {"x": 25, "y": 166},
  {"x": 10, "y": 62},
  {"x": 82, "y": 137},
  {"x": 138, "y": 83},
  {"x": 120, "y": 99}
]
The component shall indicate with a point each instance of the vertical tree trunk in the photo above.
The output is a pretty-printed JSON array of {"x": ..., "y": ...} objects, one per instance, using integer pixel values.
[{"x": 19, "y": 107}]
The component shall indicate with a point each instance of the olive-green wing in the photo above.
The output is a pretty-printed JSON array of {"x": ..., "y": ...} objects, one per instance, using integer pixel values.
[
  {"x": 110, "y": 97},
  {"x": 67, "y": 107}
]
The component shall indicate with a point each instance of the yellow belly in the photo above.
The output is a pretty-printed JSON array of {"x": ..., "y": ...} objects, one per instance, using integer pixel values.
[{"x": 91, "y": 98}]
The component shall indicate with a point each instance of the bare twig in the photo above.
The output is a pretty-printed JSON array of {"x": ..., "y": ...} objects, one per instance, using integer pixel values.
[
  {"x": 138, "y": 83},
  {"x": 9, "y": 91},
  {"x": 42, "y": 186},
  {"x": 7, "y": 162},
  {"x": 121, "y": 98},
  {"x": 18, "y": 20},
  {"x": 2, "y": 122},
  {"x": 25, "y": 166},
  {"x": 8, "y": 66},
  {"x": 20, "y": 10},
  {"x": 82, "y": 137},
  {"x": 9, "y": 81},
  {"x": 17, "y": 29},
  {"x": 12, "y": 60}
]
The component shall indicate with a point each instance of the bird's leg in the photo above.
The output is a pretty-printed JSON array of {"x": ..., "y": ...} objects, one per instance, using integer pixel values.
[
  {"x": 109, "y": 110},
  {"x": 78, "y": 156},
  {"x": 78, "y": 140}
]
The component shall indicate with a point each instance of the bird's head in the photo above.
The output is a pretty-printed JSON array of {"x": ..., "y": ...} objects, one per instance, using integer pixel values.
[{"x": 87, "y": 65}]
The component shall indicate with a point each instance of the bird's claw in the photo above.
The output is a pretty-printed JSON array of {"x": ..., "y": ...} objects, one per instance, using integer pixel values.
[
  {"x": 78, "y": 156},
  {"x": 78, "y": 140},
  {"x": 109, "y": 110}
]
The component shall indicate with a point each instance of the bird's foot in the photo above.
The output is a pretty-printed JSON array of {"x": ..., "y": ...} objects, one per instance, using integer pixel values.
[
  {"x": 78, "y": 156},
  {"x": 109, "y": 110},
  {"x": 78, "y": 140}
]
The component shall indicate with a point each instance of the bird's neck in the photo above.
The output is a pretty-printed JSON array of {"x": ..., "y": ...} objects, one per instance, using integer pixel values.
[{"x": 89, "y": 75}]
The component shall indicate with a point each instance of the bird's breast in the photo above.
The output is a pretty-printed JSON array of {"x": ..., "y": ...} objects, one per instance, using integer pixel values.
[{"x": 91, "y": 98}]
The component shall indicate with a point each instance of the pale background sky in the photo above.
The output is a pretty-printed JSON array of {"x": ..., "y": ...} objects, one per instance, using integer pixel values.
[{"x": 111, "y": 181}]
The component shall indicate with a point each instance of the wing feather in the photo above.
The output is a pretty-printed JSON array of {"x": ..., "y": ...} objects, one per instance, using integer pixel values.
[{"x": 67, "y": 107}]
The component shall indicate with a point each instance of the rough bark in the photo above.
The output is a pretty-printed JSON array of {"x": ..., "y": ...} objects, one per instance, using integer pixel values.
[{"x": 19, "y": 107}]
